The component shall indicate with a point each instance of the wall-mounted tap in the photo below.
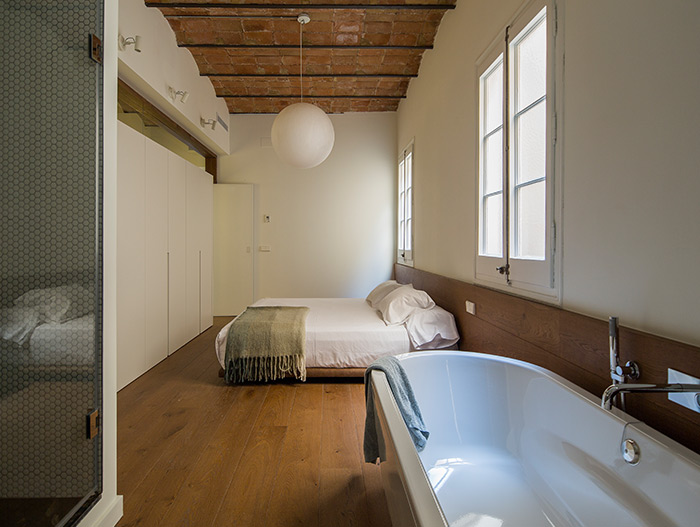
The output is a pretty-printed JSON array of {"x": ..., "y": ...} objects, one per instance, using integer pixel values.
[
  {"x": 611, "y": 391},
  {"x": 619, "y": 373}
]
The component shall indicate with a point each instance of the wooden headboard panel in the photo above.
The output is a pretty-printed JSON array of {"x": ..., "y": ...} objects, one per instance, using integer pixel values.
[{"x": 574, "y": 346}]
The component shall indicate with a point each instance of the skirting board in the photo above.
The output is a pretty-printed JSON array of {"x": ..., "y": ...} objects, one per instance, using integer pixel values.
[{"x": 106, "y": 513}]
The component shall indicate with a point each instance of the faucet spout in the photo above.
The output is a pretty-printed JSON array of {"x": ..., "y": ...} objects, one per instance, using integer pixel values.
[{"x": 614, "y": 389}]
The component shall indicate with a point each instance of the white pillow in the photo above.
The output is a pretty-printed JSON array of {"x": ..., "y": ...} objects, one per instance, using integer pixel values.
[
  {"x": 381, "y": 291},
  {"x": 59, "y": 304},
  {"x": 432, "y": 329},
  {"x": 401, "y": 303},
  {"x": 17, "y": 323}
]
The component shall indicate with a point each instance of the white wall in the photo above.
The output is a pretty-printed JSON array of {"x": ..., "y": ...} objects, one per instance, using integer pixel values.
[
  {"x": 331, "y": 232},
  {"x": 630, "y": 155},
  {"x": 161, "y": 64}
]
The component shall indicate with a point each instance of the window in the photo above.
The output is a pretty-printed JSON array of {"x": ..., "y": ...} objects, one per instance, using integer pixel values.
[
  {"x": 517, "y": 146},
  {"x": 405, "y": 208}
]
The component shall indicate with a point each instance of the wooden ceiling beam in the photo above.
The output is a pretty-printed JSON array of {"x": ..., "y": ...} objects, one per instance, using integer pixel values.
[
  {"x": 316, "y": 75},
  {"x": 304, "y": 7},
  {"x": 312, "y": 96},
  {"x": 290, "y": 46}
]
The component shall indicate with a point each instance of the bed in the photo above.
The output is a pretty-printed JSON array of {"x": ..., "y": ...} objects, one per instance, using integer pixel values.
[
  {"x": 51, "y": 327},
  {"x": 345, "y": 335}
]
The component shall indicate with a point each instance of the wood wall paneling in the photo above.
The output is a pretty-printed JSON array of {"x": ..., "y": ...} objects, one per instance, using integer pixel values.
[{"x": 572, "y": 345}]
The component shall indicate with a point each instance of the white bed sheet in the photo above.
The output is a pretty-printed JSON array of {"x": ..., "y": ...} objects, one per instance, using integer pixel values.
[
  {"x": 71, "y": 343},
  {"x": 340, "y": 333}
]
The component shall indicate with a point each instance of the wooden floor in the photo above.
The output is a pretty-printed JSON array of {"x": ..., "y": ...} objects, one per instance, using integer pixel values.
[{"x": 195, "y": 452}]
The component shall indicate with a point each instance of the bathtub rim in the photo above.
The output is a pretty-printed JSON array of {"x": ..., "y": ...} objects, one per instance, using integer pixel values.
[
  {"x": 425, "y": 507},
  {"x": 624, "y": 418}
]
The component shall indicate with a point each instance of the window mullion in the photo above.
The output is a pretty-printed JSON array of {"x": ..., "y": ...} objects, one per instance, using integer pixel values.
[{"x": 506, "y": 155}]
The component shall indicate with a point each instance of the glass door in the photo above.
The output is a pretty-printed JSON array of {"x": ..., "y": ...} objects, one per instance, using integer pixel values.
[{"x": 50, "y": 262}]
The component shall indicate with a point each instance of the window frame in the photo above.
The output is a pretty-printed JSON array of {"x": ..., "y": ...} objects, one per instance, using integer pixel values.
[
  {"x": 405, "y": 256},
  {"x": 538, "y": 279}
]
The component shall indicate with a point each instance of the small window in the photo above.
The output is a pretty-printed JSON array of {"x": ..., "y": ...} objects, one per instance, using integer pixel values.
[
  {"x": 517, "y": 145},
  {"x": 405, "y": 207}
]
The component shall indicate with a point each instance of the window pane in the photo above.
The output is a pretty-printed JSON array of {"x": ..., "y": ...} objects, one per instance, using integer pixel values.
[
  {"x": 401, "y": 236},
  {"x": 409, "y": 170},
  {"x": 530, "y": 221},
  {"x": 531, "y": 144},
  {"x": 531, "y": 66},
  {"x": 493, "y": 95},
  {"x": 409, "y": 203},
  {"x": 408, "y": 235},
  {"x": 493, "y": 163},
  {"x": 492, "y": 231},
  {"x": 402, "y": 179}
]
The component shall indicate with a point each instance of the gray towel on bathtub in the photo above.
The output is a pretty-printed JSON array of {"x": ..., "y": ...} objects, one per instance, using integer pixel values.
[{"x": 406, "y": 401}]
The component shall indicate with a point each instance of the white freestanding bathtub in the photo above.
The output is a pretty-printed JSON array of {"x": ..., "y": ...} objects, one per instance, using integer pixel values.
[{"x": 514, "y": 445}]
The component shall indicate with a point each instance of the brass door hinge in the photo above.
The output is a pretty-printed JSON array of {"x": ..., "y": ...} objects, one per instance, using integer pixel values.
[
  {"x": 92, "y": 421},
  {"x": 95, "y": 48}
]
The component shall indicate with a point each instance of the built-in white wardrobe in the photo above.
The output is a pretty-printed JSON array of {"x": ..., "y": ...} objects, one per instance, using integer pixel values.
[{"x": 164, "y": 253}]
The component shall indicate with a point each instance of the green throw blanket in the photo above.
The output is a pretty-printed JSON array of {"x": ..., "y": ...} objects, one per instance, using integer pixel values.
[{"x": 267, "y": 343}]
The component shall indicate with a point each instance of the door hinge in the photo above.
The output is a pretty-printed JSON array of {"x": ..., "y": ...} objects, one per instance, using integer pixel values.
[
  {"x": 92, "y": 422},
  {"x": 95, "y": 48}
]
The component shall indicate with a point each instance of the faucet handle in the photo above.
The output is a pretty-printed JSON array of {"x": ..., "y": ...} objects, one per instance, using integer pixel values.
[{"x": 630, "y": 370}]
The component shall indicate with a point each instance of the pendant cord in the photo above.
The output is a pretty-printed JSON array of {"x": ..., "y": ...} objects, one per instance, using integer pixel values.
[{"x": 301, "y": 62}]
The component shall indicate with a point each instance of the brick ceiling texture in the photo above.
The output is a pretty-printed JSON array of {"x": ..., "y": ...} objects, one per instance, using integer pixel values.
[{"x": 358, "y": 55}]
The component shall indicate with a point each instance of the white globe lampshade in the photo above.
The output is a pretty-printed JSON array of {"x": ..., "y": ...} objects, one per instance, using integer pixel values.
[{"x": 303, "y": 135}]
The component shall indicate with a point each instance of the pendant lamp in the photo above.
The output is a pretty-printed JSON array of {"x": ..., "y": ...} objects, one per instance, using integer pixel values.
[{"x": 302, "y": 134}]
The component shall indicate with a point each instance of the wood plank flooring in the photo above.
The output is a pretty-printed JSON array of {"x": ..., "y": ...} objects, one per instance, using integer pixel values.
[{"x": 195, "y": 452}]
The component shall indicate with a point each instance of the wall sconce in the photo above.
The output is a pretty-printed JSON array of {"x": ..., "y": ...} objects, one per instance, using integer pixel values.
[
  {"x": 174, "y": 94},
  {"x": 128, "y": 41},
  {"x": 207, "y": 122}
]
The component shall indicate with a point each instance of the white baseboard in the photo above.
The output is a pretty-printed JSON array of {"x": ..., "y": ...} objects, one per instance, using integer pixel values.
[{"x": 106, "y": 513}]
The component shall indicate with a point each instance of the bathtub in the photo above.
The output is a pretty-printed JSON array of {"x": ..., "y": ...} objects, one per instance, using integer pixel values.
[{"x": 515, "y": 445}]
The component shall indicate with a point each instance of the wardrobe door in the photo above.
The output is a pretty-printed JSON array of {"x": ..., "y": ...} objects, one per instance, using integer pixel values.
[
  {"x": 199, "y": 236},
  {"x": 130, "y": 255},
  {"x": 178, "y": 332},
  {"x": 156, "y": 254}
]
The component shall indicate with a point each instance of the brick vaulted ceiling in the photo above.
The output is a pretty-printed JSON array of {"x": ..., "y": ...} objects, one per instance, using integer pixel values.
[{"x": 358, "y": 55}]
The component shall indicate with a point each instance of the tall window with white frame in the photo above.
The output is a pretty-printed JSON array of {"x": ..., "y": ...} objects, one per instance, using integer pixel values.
[
  {"x": 516, "y": 157},
  {"x": 405, "y": 207}
]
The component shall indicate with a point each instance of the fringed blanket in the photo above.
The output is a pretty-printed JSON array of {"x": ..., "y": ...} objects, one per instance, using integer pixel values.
[{"x": 267, "y": 343}]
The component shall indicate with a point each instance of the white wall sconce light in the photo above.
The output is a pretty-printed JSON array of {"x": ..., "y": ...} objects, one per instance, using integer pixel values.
[
  {"x": 130, "y": 41},
  {"x": 182, "y": 94},
  {"x": 207, "y": 122}
]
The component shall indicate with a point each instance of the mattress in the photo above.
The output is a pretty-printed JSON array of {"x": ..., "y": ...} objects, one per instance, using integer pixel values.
[
  {"x": 340, "y": 333},
  {"x": 71, "y": 343}
]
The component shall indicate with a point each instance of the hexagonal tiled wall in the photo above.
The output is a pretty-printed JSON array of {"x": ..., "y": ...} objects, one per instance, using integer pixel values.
[{"x": 50, "y": 202}]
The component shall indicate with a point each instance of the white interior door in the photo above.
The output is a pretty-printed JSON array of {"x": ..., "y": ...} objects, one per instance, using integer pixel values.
[{"x": 233, "y": 248}]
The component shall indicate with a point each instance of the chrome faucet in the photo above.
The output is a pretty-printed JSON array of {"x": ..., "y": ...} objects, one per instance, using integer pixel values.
[
  {"x": 618, "y": 373},
  {"x": 612, "y": 390}
]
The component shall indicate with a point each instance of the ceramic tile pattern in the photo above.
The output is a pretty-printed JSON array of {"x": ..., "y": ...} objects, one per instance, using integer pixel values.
[{"x": 49, "y": 220}]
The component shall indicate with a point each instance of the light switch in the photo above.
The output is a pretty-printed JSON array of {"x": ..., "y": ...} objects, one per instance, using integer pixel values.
[
  {"x": 470, "y": 307},
  {"x": 264, "y": 249}
]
